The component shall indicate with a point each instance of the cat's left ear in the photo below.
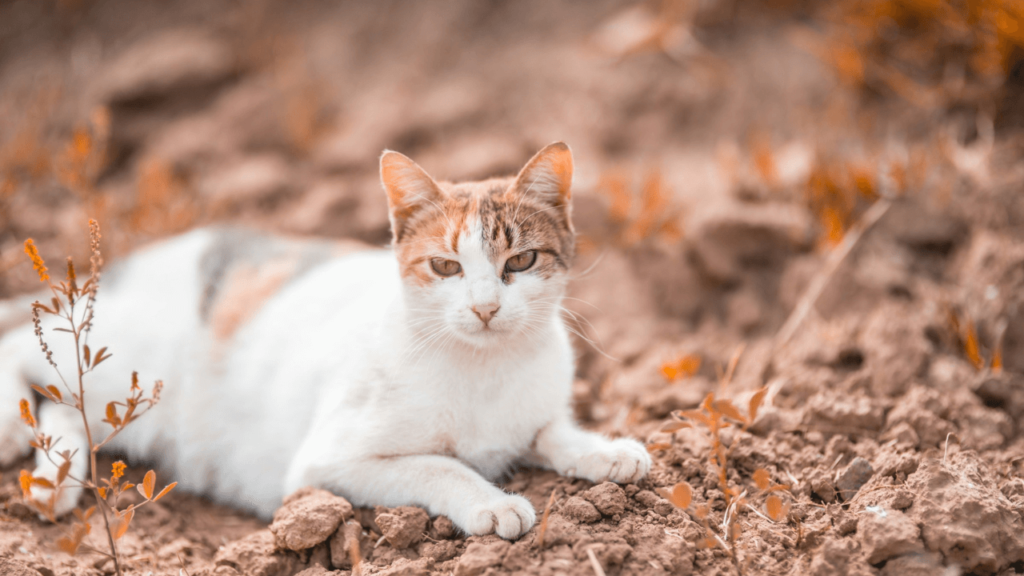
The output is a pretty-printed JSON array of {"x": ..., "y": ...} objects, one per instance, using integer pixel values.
[
  {"x": 548, "y": 175},
  {"x": 410, "y": 189}
]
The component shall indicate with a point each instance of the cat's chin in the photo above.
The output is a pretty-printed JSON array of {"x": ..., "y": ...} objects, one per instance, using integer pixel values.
[{"x": 487, "y": 337}]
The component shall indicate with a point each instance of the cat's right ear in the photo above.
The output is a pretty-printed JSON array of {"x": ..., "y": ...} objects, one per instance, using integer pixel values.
[{"x": 409, "y": 189}]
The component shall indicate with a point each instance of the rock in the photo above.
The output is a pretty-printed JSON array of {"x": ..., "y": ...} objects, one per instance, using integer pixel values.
[
  {"x": 316, "y": 570},
  {"x": 920, "y": 408},
  {"x": 403, "y": 526},
  {"x": 479, "y": 556},
  {"x": 254, "y": 180},
  {"x": 916, "y": 564},
  {"x": 855, "y": 475},
  {"x": 168, "y": 62},
  {"x": 11, "y": 567},
  {"x": 822, "y": 486},
  {"x": 829, "y": 411},
  {"x": 885, "y": 534},
  {"x": 608, "y": 498},
  {"x": 308, "y": 517},
  {"x": 580, "y": 510},
  {"x": 963, "y": 515},
  {"x": 728, "y": 237},
  {"x": 439, "y": 551},
  {"x": 444, "y": 527},
  {"x": 257, "y": 555},
  {"x": 903, "y": 433},
  {"x": 403, "y": 567}
]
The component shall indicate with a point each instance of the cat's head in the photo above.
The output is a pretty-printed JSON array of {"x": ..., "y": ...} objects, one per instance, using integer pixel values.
[{"x": 482, "y": 261}]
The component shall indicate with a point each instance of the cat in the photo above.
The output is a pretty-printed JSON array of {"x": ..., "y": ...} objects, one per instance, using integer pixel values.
[{"x": 411, "y": 375}]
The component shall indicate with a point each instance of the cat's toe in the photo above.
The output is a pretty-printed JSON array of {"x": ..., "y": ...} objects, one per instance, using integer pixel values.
[
  {"x": 509, "y": 517},
  {"x": 622, "y": 461}
]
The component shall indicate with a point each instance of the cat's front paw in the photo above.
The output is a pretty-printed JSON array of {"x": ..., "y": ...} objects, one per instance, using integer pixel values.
[
  {"x": 509, "y": 516},
  {"x": 623, "y": 461}
]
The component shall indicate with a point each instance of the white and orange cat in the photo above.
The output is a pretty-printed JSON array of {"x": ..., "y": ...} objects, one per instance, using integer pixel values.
[{"x": 414, "y": 375}]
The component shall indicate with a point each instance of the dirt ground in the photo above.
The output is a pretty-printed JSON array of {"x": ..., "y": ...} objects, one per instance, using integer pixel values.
[{"x": 835, "y": 212}]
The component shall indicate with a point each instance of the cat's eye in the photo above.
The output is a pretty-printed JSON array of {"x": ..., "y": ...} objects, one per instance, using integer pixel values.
[
  {"x": 445, "y": 267},
  {"x": 521, "y": 262}
]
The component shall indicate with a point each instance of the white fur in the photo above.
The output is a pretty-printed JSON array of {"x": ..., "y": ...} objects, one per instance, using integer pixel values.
[{"x": 348, "y": 379}]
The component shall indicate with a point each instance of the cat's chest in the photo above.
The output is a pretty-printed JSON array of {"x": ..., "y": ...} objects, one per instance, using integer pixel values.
[{"x": 490, "y": 424}]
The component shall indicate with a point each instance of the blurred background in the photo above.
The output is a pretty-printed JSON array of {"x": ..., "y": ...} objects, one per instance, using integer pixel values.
[
  {"x": 723, "y": 148},
  {"x": 726, "y": 151}
]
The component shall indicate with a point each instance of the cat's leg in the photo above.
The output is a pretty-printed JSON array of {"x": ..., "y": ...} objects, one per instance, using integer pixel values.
[
  {"x": 571, "y": 451},
  {"x": 440, "y": 484},
  {"x": 17, "y": 347},
  {"x": 64, "y": 424}
]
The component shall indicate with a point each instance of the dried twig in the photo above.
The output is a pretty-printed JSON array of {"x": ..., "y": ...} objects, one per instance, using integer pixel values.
[{"x": 820, "y": 281}]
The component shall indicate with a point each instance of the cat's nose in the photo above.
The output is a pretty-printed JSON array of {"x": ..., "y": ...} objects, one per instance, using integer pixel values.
[{"x": 485, "y": 311}]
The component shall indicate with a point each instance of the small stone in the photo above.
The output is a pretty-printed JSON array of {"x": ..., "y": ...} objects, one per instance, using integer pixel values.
[
  {"x": 316, "y": 570},
  {"x": 308, "y": 517},
  {"x": 580, "y": 510},
  {"x": 822, "y": 486},
  {"x": 444, "y": 527},
  {"x": 903, "y": 500},
  {"x": 479, "y": 557},
  {"x": 403, "y": 567},
  {"x": 853, "y": 477},
  {"x": 646, "y": 498},
  {"x": 885, "y": 534},
  {"x": 403, "y": 526},
  {"x": 608, "y": 498},
  {"x": 256, "y": 555}
]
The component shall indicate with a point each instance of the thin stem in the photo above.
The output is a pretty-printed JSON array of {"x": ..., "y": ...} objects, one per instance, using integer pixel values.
[{"x": 101, "y": 502}]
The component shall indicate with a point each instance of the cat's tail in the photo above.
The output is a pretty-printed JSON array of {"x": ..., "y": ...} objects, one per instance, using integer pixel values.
[{"x": 16, "y": 345}]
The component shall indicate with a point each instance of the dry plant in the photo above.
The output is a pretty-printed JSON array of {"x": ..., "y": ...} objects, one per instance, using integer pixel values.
[
  {"x": 164, "y": 203},
  {"x": 684, "y": 366},
  {"x": 964, "y": 331},
  {"x": 74, "y": 304},
  {"x": 931, "y": 53},
  {"x": 638, "y": 215}
]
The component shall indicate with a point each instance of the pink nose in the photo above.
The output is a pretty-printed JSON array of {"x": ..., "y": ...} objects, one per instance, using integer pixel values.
[{"x": 485, "y": 312}]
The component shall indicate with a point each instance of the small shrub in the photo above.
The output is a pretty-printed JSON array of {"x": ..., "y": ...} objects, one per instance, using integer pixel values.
[{"x": 74, "y": 304}]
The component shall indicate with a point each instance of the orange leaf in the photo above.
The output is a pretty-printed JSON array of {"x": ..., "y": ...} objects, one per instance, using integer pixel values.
[
  {"x": 681, "y": 495},
  {"x": 26, "y": 483},
  {"x": 755, "y": 403},
  {"x": 41, "y": 390},
  {"x": 112, "y": 418},
  {"x": 164, "y": 492},
  {"x": 67, "y": 545},
  {"x": 148, "y": 485},
  {"x": 85, "y": 349},
  {"x": 674, "y": 426},
  {"x": 55, "y": 392},
  {"x": 119, "y": 526},
  {"x": 762, "y": 479},
  {"x": 773, "y": 506},
  {"x": 971, "y": 348},
  {"x": 62, "y": 472},
  {"x": 728, "y": 409}
]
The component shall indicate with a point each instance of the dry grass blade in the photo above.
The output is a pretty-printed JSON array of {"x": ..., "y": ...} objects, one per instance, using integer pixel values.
[
  {"x": 598, "y": 570},
  {"x": 820, "y": 281},
  {"x": 542, "y": 531}
]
